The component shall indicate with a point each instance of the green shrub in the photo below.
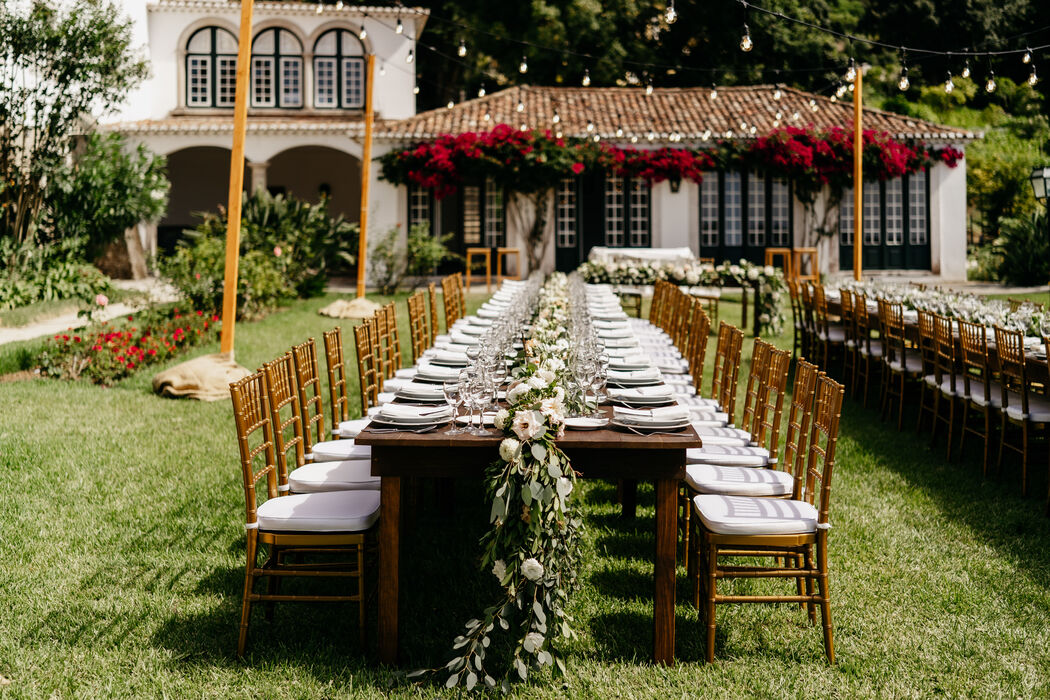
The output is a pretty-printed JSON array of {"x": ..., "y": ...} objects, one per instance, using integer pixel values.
[
  {"x": 386, "y": 261},
  {"x": 1025, "y": 250},
  {"x": 423, "y": 252},
  {"x": 389, "y": 261},
  {"x": 288, "y": 247},
  {"x": 31, "y": 272},
  {"x": 982, "y": 263}
]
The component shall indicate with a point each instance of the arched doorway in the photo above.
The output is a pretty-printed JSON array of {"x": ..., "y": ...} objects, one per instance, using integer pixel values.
[
  {"x": 307, "y": 172},
  {"x": 200, "y": 182}
]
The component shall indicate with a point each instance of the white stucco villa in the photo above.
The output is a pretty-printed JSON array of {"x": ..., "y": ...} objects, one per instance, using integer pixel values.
[{"x": 306, "y": 129}]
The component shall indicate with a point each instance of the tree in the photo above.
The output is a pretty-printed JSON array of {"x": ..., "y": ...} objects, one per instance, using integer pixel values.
[{"x": 60, "y": 66}]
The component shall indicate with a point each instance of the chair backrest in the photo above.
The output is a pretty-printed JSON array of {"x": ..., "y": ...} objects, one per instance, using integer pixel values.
[
  {"x": 338, "y": 398},
  {"x": 1009, "y": 345},
  {"x": 393, "y": 338},
  {"x": 286, "y": 417},
  {"x": 656, "y": 308},
  {"x": 309, "y": 383},
  {"x": 769, "y": 404},
  {"x": 417, "y": 325},
  {"x": 448, "y": 296},
  {"x": 862, "y": 322},
  {"x": 432, "y": 296},
  {"x": 892, "y": 331},
  {"x": 928, "y": 341},
  {"x": 796, "y": 301},
  {"x": 367, "y": 368},
  {"x": 973, "y": 349},
  {"x": 251, "y": 413},
  {"x": 799, "y": 414},
  {"x": 820, "y": 310},
  {"x": 944, "y": 351},
  {"x": 383, "y": 346},
  {"x": 699, "y": 331},
  {"x": 806, "y": 304},
  {"x": 849, "y": 320},
  {"x": 461, "y": 298},
  {"x": 823, "y": 436},
  {"x": 727, "y": 367},
  {"x": 680, "y": 321},
  {"x": 756, "y": 375}
]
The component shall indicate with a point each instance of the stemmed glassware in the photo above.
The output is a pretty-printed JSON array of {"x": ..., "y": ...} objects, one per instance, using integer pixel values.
[{"x": 454, "y": 398}]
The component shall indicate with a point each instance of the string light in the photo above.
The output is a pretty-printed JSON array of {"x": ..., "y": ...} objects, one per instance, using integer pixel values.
[
  {"x": 339, "y": 5},
  {"x": 619, "y": 131},
  {"x": 745, "y": 41},
  {"x": 597, "y": 138},
  {"x": 462, "y": 50},
  {"x": 966, "y": 69},
  {"x": 990, "y": 85},
  {"x": 590, "y": 126},
  {"x": 813, "y": 105},
  {"x": 524, "y": 127},
  {"x": 796, "y": 116},
  {"x": 481, "y": 90},
  {"x": 651, "y": 136},
  {"x": 363, "y": 34},
  {"x": 410, "y": 57},
  {"x": 948, "y": 84},
  {"x": 903, "y": 83},
  {"x": 1027, "y": 58},
  {"x": 841, "y": 90},
  {"x": 521, "y": 105},
  {"x": 851, "y": 70},
  {"x": 713, "y": 95},
  {"x": 556, "y": 118},
  {"x": 777, "y": 94},
  {"x": 557, "y": 134},
  {"x": 779, "y": 115},
  {"x": 834, "y": 99},
  {"x": 450, "y": 104},
  {"x": 487, "y": 117},
  {"x": 649, "y": 87},
  {"x": 400, "y": 28},
  {"x": 1033, "y": 78},
  {"x": 634, "y": 139},
  {"x": 586, "y": 77},
  {"x": 320, "y": 8},
  {"x": 671, "y": 15},
  {"x": 523, "y": 67}
]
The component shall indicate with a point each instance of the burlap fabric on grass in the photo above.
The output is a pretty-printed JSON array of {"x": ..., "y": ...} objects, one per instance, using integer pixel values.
[
  {"x": 205, "y": 378},
  {"x": 355, "y": 308}
]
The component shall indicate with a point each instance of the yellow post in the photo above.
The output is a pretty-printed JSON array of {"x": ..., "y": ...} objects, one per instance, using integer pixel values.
[
  {"x": 366, "y": 167},
  {"x": 233, "y": 210},
  {"x": 858, "y": 174}
]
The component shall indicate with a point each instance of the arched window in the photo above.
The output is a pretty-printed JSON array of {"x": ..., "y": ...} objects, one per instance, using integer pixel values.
[
  {"x": 339, "y": 71},
  {"x": 211, "y": 68},
  {"x": 277, "y": 69}
]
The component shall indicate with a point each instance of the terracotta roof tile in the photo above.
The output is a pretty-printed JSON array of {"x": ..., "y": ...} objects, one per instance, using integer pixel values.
[{"x": 738, "y": 112}]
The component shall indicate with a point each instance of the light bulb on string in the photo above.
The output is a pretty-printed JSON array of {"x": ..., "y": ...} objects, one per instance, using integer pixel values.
[
  {"x": 902, "y": 82},
  {"x": 990, "y": 84},
  {"x": 745, "y": 40},
  {"x": 462, "y": 50},
  {"x": 590, "y": 126},
  {"x": 557, "y": 134},
  {"x": 652, "y": 136},
  {"x": 597, "y": 138},
  {"x": 796, "y": 116},
  {"x": 410, "y": 57},
  {"x": 320, "y": 8},
  {"x": 966, "y": 69},
  {"x": 949, "y": 85},
  {"x": 363, "y": 34},
  {"x": 481, "y": 90},
  {"x": 521, "y": 106},
  {"x": 556, "y": 118},
  {"x": 523, "y": 67},
  {"x": 450, "y": 104},
  {"x": 649, "y": 87},
  {"x": 634, "y": 139},
  {"x": 841, "y": 90},
  {"x": 487, "y": 117},
  {"x": 852, "y": 87},
  {"x": 834, "y": 99},
  {"x": 619, "y": 132},
  {"x": 779, "y": 115},
  {"x": 586, "y": 78},
  {"x": 400, "y": 28},
  {"x": 339, "y": 5},
  {"x": 1032, "y": 78},
  {"x": 777, "y": 94},
  {"x": 813, "y": 107},
  {"x": 714, "y": 93},
  {"x": 851, "y": 71},
  {"x": 753, "y": 130},
  {"x": 671, "y": 15},
  {"x": 729, "y": 133},
  {"x": 524, "y": 126},
  {"x": 1027, "y": 58}
]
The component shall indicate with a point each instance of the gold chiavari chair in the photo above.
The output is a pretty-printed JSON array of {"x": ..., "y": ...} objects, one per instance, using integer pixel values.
[
  {"x": 980, "y": 393},
  {"x": 1019, "y": 406},
  {"x": 870, "y": 354},
  {"x": 308, "y": 383},
  {"x": 461, "y": 300},
  {"x": 723, "y": 380},
  {"x": 948, "y": 380},
  {"x": 901, "y": 363},
  {"x": 395, "y": 375},
  {"x": 699, "y": 332},
  {"x": 928, "y": 388},
  {"x": 793, "y": 529},
  {"x": 335, "y": 523},
  {"x": 448, "y": 296},
  {"x": 850, "y": 352},
  {"x": 432, "y": 298},
  {"x": 657, "y": 306},
  {"x": 809, "y": 323},
  {"x": 367, "y": 369},
  {"x": 338, "y": 391},
  {"x": 796, "y": 317},
  {"x": 417, "y": 325},
  {"x": 830, "y": 337}
]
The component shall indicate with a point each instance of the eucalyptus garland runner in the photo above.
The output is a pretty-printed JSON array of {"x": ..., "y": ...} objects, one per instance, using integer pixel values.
[{"x": 533, "y": 546}]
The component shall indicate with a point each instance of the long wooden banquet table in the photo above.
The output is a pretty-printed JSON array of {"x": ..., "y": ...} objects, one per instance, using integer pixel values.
[{"x": 599, "y": 454}]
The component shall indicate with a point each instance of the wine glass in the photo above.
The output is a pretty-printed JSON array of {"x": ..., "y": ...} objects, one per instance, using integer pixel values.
[{"x": 454, "y": 398}]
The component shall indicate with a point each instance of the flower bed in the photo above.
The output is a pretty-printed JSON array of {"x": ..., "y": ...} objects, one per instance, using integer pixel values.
[
  {"x": 106, "y": 352},
  {"x": 767, "y": 282}
]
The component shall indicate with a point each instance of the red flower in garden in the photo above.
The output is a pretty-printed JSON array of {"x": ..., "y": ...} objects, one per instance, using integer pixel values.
[{"x": 577, "y": 168}]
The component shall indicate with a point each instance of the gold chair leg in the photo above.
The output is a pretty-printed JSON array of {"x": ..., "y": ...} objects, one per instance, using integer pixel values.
[
  {"x": 825, "y": 602},
  {"x": 712, "y": 565},
  {"x": 1024, "y": 459},
  {"x": 361, "y": 594},
  {"x": 246, "y": 604}
]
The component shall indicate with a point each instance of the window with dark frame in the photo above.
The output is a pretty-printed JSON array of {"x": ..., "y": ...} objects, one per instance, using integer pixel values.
[
  {"x": 339, "y": 71},
  {"x": 277, "y": 69},
  {"x": 885, "y": 206},
  {"x": 211, "y": 68},
  {"x": 565, "y": 218},
  {"x": 744, "y": 210},
  {"x": 627, "y": 212}
]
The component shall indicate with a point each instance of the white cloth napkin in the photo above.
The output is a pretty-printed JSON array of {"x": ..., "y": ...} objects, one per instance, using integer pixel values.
[
  {"x": 665, "y": 414},
  {"x": 615, "y": 333},
  {"x": 647, "y": 373},
  {"x": 421, "y": 389},
  {"x": 642, "y": 392},
  {"x": 405, "y": 412},
  {"x": 450, "y": 357},
  {"x": 427, "y": 369},
  {"x": 462, "y": 338},
  {"x": 632, "y": 361}
]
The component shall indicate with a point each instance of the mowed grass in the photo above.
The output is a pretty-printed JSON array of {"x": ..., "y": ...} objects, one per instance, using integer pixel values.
[{"x": 122, "y": 559}]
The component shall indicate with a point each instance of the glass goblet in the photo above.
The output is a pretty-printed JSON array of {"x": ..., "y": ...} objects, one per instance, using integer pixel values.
[{"x": 454, "y": 398}]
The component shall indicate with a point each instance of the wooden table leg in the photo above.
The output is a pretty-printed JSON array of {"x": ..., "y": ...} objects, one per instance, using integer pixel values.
[
  {"x": 628, "y": 493},
  {"x": 664, "y": 573},
  {"x": 389, "y": 564}
]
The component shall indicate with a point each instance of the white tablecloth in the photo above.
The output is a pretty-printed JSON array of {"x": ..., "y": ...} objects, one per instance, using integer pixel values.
[{"x": 602, "y": 254}]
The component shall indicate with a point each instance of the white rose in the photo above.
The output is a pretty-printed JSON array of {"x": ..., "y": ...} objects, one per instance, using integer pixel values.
[
  {"x": 752, "y": 273},
  {"x": 499, "y": 569},
  {"x": 502, "y": 416},
  {"x": 769, "y": 270},
  {"x": 515, "y": 393},
  {"x": 508, "y": 449},
  {"x": 527, "y": 424},
  {"x": 546, "y": 375},
  {"x": 537, "y": 382},
  {"x": 532, "y": 569},
  {"x": 559, "y": 393}
]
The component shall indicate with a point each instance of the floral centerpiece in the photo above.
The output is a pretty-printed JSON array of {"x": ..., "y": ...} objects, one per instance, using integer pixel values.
[{"x": 533, "y": 546}]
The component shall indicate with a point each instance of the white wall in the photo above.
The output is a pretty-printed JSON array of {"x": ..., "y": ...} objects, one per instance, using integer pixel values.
[
  {"x": 673, "y": 222},
  {"x": 948, "y": 220}
]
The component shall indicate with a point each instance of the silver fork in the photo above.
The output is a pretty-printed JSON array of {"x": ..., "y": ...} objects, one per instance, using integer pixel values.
[
  {"x": 400, "y": 430},
  {"x": 636, "y": 431}
]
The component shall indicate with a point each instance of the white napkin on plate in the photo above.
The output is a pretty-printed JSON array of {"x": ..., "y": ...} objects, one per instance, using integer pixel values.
[
  {"x": 642, "y": 392},
  {"x": 405, "y": 412},
  {"x": 615, "y": 332},
  {"x": 665, "y": 414},
  {"x": 429, "y": 370},
  {"x": 449, "y": 357},
  {"x": 647, "y": 373},
  {"x": 462, "y": 338},
  {"x": 421, "y": 389}
]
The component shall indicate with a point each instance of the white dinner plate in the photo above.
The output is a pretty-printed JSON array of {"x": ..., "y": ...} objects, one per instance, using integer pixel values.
[
  {"x": 650, "y": 426},
  {"x": 378, "y": 422},
  {"x": 584, "y": 423}
]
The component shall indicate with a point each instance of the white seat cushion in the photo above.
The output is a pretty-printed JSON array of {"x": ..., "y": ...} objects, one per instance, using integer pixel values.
[
  {"x": 743, "y": 515},
  {"x": 335, "y": 511},
  {"x": 876, "y": 350},
  {"x": 723, "y": 436},
  {"x": 351, "y": 428},
  {"x": 709, "y": 420},
  {"x": 337, "y": 450},
  {"x": 699, "y": 402},
  {"x": 738, "y": 481},
  {"x": 914, "y": 364},
  {"x": 347, "y": 475},
  {"x": 728, "y": 455},
  {"x": 836, "y": 334},
  {"x": 678, "y": 379},
  {"x": 977, "y": 394},
  {"x": 1038, "y": 409}
]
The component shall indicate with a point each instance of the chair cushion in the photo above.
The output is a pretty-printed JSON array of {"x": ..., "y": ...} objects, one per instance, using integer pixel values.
[
  {"x": 914, "y": 364},
  {"x": 742, "y": 515},
  {"x": 337, "y": 450},
  {"x": 835, "y": 334},
  {"x": 677, "y": 379},
  {"x": 738, "y": 481},
  {"x": 699, "y": 402},
  {"x": 876, "y": 350},
  {"x": 977, "y": 394},
  {"x": 723, "y": 436},
  {"x": 709, "y": 420},
  {"x": 347, "y": 475},
  {"x": 1038, "y": 409},
  {"x": 728, "y": 455},
  {"x": 335, "y": 511},
  {"x": 351, "y": 428}
]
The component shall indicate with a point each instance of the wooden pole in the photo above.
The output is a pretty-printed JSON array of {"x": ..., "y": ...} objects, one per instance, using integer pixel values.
[
  {"x": 233, "y": 209},
  {"x": 366, "y": 168},
  {"x": 858, "y": 173}
]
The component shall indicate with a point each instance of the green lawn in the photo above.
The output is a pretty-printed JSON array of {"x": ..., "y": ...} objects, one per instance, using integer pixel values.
[{"x": 122, "y": 555}]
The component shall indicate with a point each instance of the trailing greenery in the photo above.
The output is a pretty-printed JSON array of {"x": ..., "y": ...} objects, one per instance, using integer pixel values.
[{"x": 288, "y": 248}]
